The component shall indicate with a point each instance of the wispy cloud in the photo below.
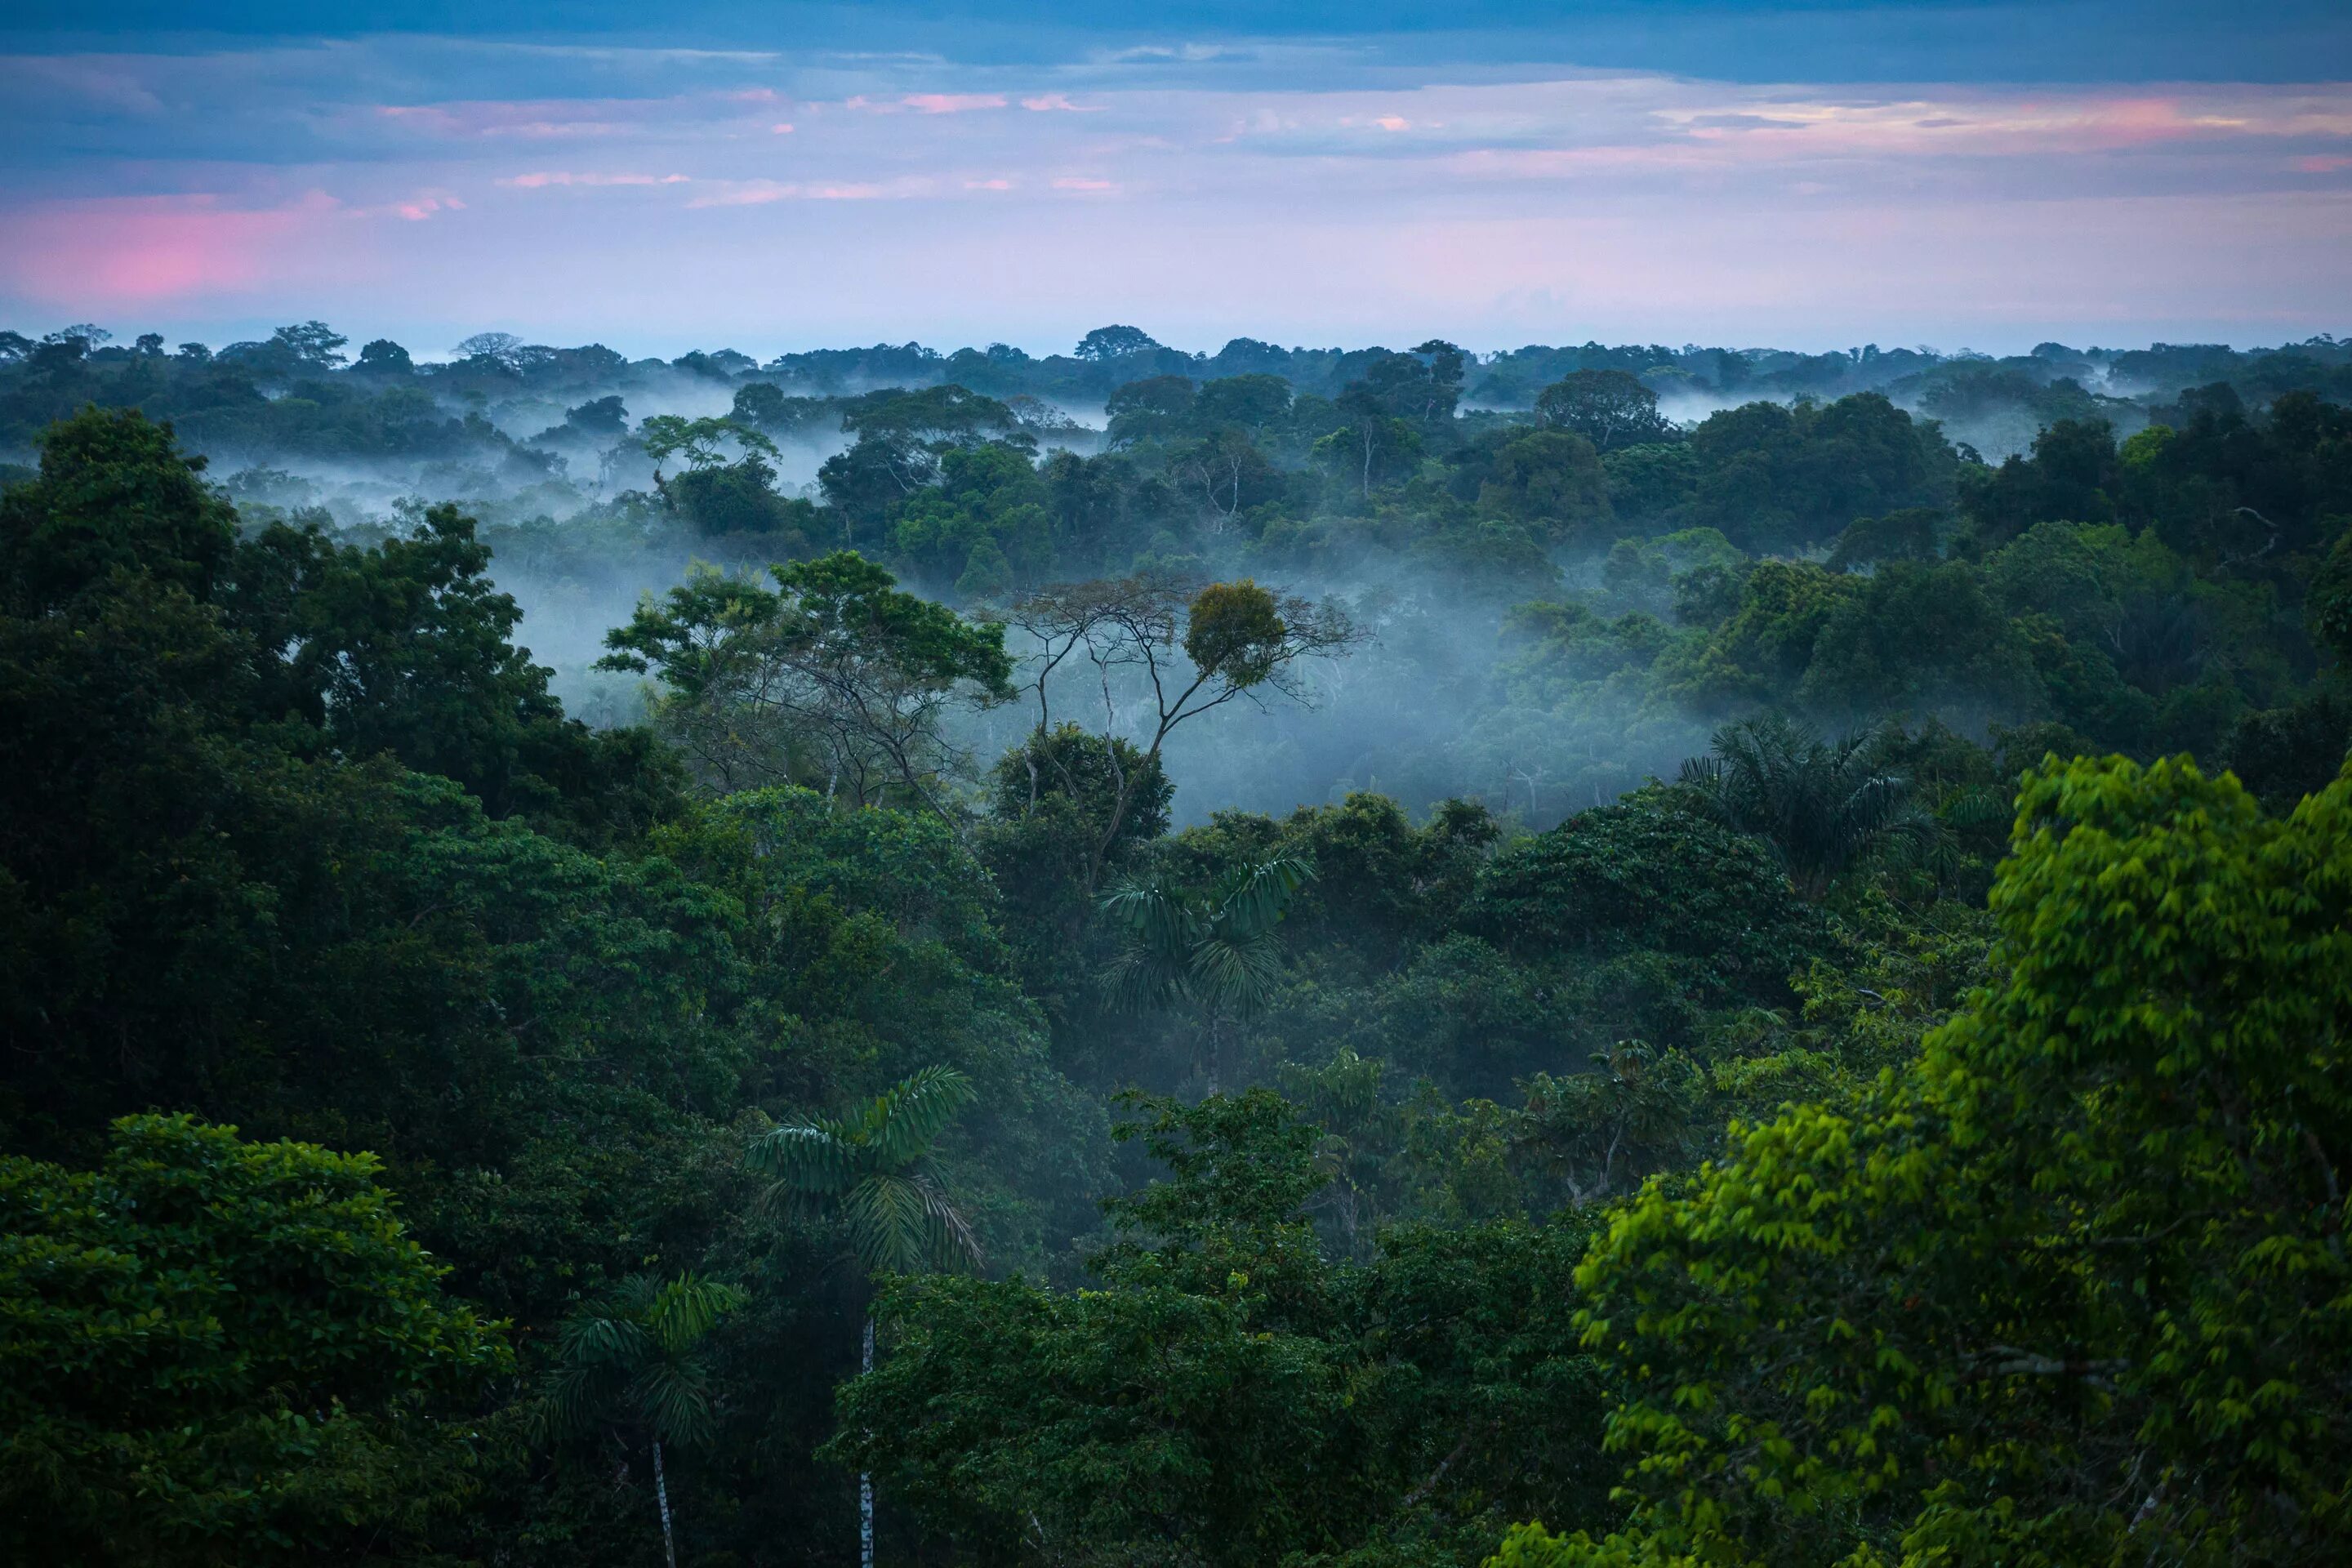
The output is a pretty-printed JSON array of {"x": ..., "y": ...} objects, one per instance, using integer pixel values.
[
  {"x": 952, "y": 102},
  {"x": 759, "y": 193},
  {"x": 542, "y": 178}
]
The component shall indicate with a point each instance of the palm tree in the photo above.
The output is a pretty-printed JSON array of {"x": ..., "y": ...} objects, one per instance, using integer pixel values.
[
  {"x": 1823, "y": 805},
  {"x": 634, "y": 1353},
  {"x": 873, "y": 1169},
  {"x": 1218, "y": 953}
]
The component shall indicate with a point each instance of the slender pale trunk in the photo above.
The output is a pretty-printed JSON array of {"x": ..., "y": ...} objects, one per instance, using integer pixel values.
[
  {"x": 661, "y": 1496},
  {"x": 864, "y": 1478}
]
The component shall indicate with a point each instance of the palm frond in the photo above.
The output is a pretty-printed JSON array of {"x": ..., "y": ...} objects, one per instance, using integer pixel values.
[
  {"x": 888, "y": 1222},
  {"x": 915, "y": 1112},
  {"x": 807, "y": 1157},
  {"x": 689, "y": 1308},
  {"x": 1154, "y": 915},
  {"x": 674, "y": 1397},
  {"x": 594, "y": 1337},
  {"x": 1140, "y": 979},
  {"x": 953, "y": 1239},
  {"x": 575, "y": 1399},
  {"x": 1236, "y": 975},
  {"x": 1254, "y": 898},
  {"x": 1976, "y": 806}
]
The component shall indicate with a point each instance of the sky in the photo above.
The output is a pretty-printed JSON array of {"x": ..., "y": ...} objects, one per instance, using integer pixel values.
[{"x": 778, "y": 176}]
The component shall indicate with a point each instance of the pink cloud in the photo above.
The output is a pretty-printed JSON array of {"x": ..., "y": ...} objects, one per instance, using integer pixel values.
[
  {"x": 542, "y": 178},
  {"x": 758, "y": 192},
  {"x": 419, "y": 208},
  {"x": 1048, "y": 102},
  {"x": 1079, "y": 184},
  {"x": 952, "y": 102},
  {"x": 137, "y": 249},
  {"x": 988, "y": 184},
  {"x": 781, "y": 128},
  {"x": 2322, "y": 164}
]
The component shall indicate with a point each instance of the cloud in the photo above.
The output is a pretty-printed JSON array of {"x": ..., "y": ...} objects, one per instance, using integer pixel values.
[
  {"x": 952, "y": 102},
  {"x": 545, "y": 178},
  {"x": 424, "y": 204},
  {"x": 1050, "y": 102},
  {"x": 1073, "y": 184},
  {"x": 758, "y": 192},
  {"x": 536, "y": 121}
]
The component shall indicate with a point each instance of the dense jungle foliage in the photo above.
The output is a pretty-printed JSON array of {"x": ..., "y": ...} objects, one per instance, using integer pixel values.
[{"x": 1827, "y": 1043}]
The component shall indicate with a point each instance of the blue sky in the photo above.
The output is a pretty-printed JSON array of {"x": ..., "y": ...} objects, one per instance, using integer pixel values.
[{"x": 781, "y": 175}]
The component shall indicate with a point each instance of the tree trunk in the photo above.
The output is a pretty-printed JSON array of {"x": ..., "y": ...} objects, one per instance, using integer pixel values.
[
  {"x": 661, "y": 1495},
  {"x": 864, "y": 1478}
]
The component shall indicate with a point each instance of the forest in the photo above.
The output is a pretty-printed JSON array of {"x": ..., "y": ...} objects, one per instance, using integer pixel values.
[{"x": 1569, "y": 958}]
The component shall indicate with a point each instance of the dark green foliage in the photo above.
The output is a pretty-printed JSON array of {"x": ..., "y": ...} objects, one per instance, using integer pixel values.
[
  {"x": 1648, "y": 874},
  {"x": 1774, "y": 476},
  {"x": 1825, "y": 806},
  {"x": 1227, "y": 1392},
  {"x": 1913, "y": 533},
  {"x": 1610, "y": 409}
]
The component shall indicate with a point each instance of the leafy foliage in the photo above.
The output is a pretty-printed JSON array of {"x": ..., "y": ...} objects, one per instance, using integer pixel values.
[
  {"x": 224, "y": 1352},
  {"x": 2069, "y": 1290}
]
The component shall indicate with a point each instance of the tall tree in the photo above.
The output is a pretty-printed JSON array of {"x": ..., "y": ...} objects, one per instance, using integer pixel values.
[
  {"x": 1610, "y": 409},
  {"x": 1167, "y": 651},
  {"x": 636, "y": 1355},
  {"x": 832, "y": 675},
  {"x": 872, "y": 1170},
  {"x": 1218, "y": 951},
  {"x": 2070, "y": 1289},
  {"x": 1823, "y": 805}
]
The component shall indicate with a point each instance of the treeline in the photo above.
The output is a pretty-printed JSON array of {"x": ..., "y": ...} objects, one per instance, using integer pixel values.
[
  {"x": 304, "y": 395},
  {"x": 440, "y": 1130}
]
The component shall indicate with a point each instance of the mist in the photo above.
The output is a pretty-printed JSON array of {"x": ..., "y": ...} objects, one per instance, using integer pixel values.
[{"x": 1446, "y": 551}]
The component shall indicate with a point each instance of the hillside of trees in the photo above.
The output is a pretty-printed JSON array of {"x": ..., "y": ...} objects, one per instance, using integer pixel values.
[{"x": 1584, "y": 957}]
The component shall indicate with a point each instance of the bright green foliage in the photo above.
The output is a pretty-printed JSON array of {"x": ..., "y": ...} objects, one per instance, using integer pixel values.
[
  {"x": 216, "y": 1352},
  {"x": 294, "y": 835},
  {"x": 1234, "y": 632},
  {"x": 2072, "y": 1288},
  {"x": 702, "y": 441}
]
